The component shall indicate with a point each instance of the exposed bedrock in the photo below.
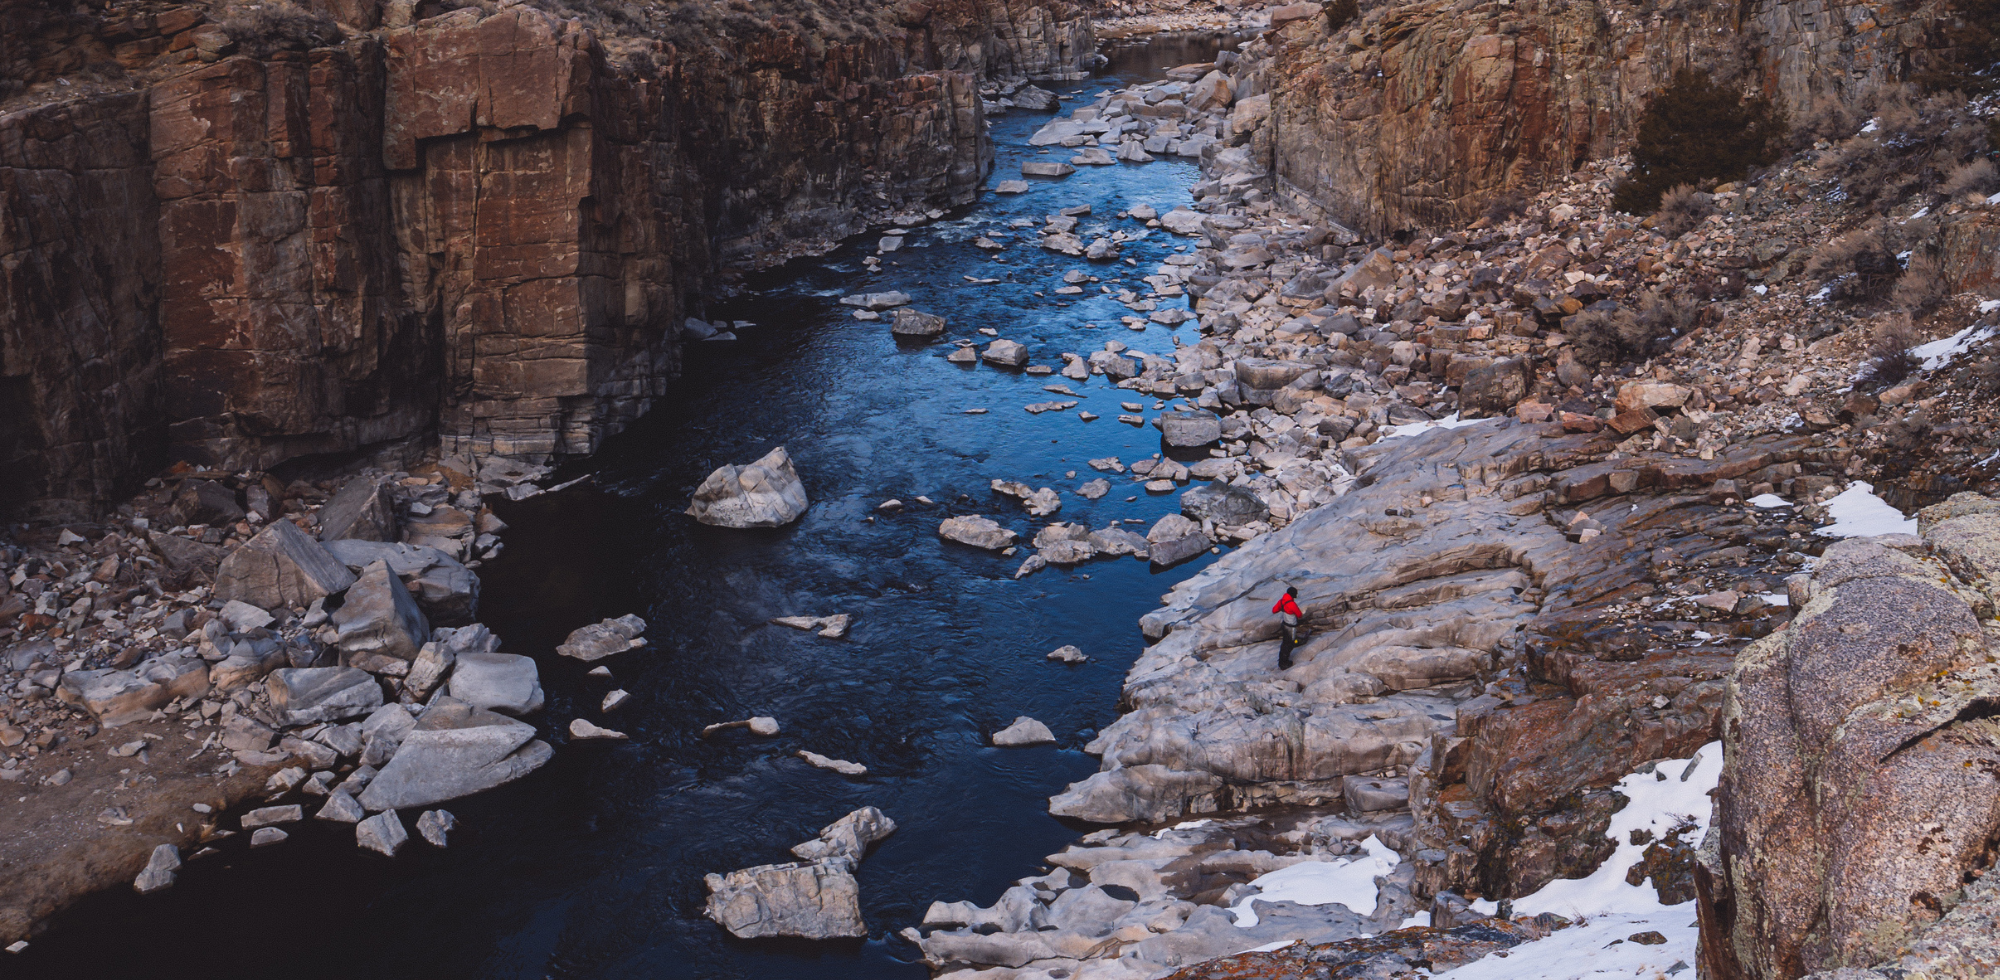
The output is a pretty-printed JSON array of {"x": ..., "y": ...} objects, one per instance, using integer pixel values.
[
  {"x": 1463, "y": 634},
  {"x": 1419, "y": 114},
  {"x": 476, "y": 227},
  {"x": 1860, "y": 800}
]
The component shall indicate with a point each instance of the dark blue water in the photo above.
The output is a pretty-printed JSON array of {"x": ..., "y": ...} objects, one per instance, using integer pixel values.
[{"x": 593, "y": 866}]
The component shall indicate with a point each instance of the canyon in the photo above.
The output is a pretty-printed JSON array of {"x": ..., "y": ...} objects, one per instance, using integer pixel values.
[{"x": 1572, "y": 498}]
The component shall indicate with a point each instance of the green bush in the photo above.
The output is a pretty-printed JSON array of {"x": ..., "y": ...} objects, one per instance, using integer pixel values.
[{"x": 1694, "y": 131}]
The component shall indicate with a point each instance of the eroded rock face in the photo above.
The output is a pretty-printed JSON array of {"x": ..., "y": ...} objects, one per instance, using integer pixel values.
[
  {"x": 1418, "y": 115},
  {"x": 1858, "y": 792},
  {"x": 475, "y": 223}
]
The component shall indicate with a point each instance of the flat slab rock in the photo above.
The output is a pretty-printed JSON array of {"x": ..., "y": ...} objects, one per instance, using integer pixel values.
[{"x": 600, "y": 640}]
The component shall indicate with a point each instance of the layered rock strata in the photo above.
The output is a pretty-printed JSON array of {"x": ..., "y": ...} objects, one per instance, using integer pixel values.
[{"x": 477, "y": 226}]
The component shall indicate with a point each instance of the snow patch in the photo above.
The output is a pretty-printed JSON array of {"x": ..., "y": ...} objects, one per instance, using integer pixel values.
[
  {"x": 1451, "y": 421},
  {"x": 1938, "y": 353},
  {"x": 1768, "y": 500},
  {"x": 1858, "y": 513},
  {"x": 1183, "y": 825},
  {"x": 1612, "y": 911},
  {"x": 1776, "y": 598},
  {"x": 1350, "y": 883}
]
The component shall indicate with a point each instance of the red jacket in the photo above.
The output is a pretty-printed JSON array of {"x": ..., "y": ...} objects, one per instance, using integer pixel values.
[{"x": 1286, "y": 605}]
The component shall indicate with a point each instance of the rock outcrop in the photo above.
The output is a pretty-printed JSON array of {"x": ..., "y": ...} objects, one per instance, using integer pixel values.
[
  {"x": 1859, "y": 795},
  {"x": 816, "y": 897},
  {"x": 483, "y": 227},
  {"x": 1419, "y": 115}
]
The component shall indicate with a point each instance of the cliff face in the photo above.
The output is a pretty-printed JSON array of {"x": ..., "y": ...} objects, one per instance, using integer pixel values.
[
  {"x": 1418, "y": 115},
  {"x": 479, "y": 227}
]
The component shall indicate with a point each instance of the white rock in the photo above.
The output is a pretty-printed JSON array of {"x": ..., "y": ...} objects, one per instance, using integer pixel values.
[
  {"x": 1024, "y": 731},
  {"x": 840, "y": 766},
  {"x": 382, "y": 833},
  {"x": 581, "y": 729},
  {"x": 766, "y": 493}
]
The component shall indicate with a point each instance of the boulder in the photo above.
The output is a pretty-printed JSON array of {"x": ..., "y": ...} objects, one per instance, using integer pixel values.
[
  {"x": 362, "y": 508},
  {"x": 1095, "y": 156},
  {"x": 1224, "y": 504},
  {"x": 341, "y": 808},
  {"x": 841, "y": 766},
  {"x": 583, "y": 730},
  {"x": 810, "y": 901},
  {"x": 1187, "y": 430},
  {"x": 1856, "y": 789},
  {"x": 446, "y": 591},
  {"x": 1132, "y": 793},
  {"x": 502, "y": 682},
  {"x": 1182, "y": 221},
  {"x": 1068, "y": 655},
  {"x": 159, "y": 872},
  {"x": 1046, "y": 168},
  {"x": 454, "y": 750},
  {"x": 120, "y": 697},
  {"x": 1494, "y": 388},
  {"x": 382, "y": 833},
  {"x": 435, "y": 826},
  {"x": 379, "y": 626},
  {"x": 766, "y": 493},
  {"x": 844, "y": 842},
  {"x": 381, "y": 733},
  {"x": 600, "y": 640},
  {"x": 911, "y": 323},
  {"x": 979, "y": 532},
  {"x": 1024, "y": 731},
  {"x": 304, "y": 695},
  {"x": 280, "y": 566},
  {"x": 1265, "y": 374},
  {"x": 1011, "y": 187},
  {"x": 1005, "y": 353},
  {"x": 1213, "y": 91},
  {"x": 1656, "y": 395},
  {"x": 1174, "y": 539},
  {"x": 205, "y": 502}
]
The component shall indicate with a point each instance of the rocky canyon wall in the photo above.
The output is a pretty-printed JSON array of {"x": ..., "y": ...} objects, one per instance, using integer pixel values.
[
  {"x": 1417, "y": 115},
  {"x": 480, "y": 227}
]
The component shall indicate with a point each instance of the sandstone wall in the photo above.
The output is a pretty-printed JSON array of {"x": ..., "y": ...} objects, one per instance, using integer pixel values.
[
  {"x": 1420, "y": 114},
  {"x": 474, "y": 227}
]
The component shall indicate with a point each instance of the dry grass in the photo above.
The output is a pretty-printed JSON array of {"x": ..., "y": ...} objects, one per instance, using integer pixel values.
[
  {"x": 280, "y": 26},
  {"x": 1889, "y": 360},
  {"x": 1858, "y": 265},
  {"x": 1977, "y": 177},
  {"x": 1682, "y": 210},
  {"x": 1922, "y": 286},
  {"x": 1600, "y": 337},
  {"x": 1917, "y": 143}
]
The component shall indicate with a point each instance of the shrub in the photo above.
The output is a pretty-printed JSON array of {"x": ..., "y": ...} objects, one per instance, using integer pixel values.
[
  {"x": 1914, "y": 142},
  {"x": 1693, "y": 131},
  {"x": 1974, "y": 42},
  {"x": 1341, "y": 13},
  {"x": 278, "y": 26},
  {"x": 1682, "y": 210},
  {"x": 1600, "y": 337},
  {"x": 1858, "y": 265},
  {"x": 1922, "y": 287},
  {"x": 1889, "y": 358},
  {"x": 1977, "y": 177}
]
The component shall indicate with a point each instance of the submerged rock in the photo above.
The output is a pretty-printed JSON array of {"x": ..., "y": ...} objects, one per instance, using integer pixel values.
[{"x": 766, "y": 493}]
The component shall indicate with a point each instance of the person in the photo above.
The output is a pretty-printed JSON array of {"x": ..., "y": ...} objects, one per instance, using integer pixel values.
[{"x": 1287, "y": 610}]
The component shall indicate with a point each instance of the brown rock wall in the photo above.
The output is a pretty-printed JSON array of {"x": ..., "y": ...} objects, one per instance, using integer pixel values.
[
  {"x": 473, "y": 225},
  {"x": 1420, "y": 115},
  {"x": 79, "y": 335}
]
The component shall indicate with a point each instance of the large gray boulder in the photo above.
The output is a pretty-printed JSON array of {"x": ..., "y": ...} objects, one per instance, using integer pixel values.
[
  {"x": 379, "y": 626},
  {"x": 1005, "y": 353},
  {"x": 502, "y": 682},
  {"x": 1174, "y": 539},
  {"x": 205, "y": 502},
  {"x": 280, "y": 566},
  {"x": 445, "y": 590},
  {"x": 1224, "y": 504},
  {"x": 809, "y": 901},
  {"x": 766, "y": 493},
  {"x": 1023, "y": 732},
  {"x": 600, "y": 640},
  {"x": 1857, "y": 788},
  {"x": 362, "y": 508},
  {"x": 455, "y": 750},
  {"x": 1186, "y": 430},
  {"x": 304, "y": 695}
]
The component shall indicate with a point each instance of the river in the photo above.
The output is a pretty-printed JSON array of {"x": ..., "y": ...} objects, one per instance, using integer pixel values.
[{"x": 592, "y": 867}]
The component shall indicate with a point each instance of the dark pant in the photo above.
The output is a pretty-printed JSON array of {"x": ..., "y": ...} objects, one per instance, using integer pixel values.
[{"x": 1286, "y": 644}]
